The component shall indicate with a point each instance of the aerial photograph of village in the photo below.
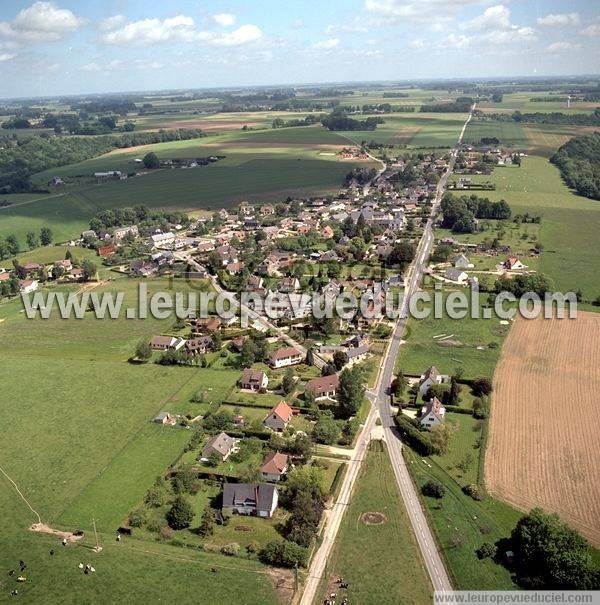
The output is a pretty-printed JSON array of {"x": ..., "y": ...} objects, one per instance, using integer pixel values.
[{"x": 299, "y": 302}]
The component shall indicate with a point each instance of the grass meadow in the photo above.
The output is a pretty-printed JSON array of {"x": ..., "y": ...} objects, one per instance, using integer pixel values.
[
  {"x": 364, "y": 554},
  {"x": 569, "y": 228}
]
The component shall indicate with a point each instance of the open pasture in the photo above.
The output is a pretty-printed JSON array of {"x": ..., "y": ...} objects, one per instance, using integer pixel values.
[
  {"x": 569, "y": 228},
  {"x": 543, "y": 447}
]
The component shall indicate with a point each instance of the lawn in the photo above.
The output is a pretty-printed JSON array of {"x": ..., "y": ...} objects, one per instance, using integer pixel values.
[
  {"x": 568, "y": 230},
  {"x": 510, "y": 134},
  {"x": 462, "y": 524},
  {"x": 381, "y": 563}
]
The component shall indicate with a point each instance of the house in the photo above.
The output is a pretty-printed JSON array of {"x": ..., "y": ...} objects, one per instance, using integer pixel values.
[
  {"x": 462, "y": 262},
  {"x": 327, "y": 232},
  {"x": 431, "y": 377},
  {"x": 162, "y": 239},
  {"x": 432, "y": 413},
  {"x": 512, "y": 263},
  {"x": 166, "y": 418},
  {"x": 121, "y": 232},
  {"x": 26, "y": 286},
  {"x": 64, "y": 264},
  {"x": 288, "y": 285},
  {"x": 279, "y": 417},
  {"x": 282, "y": 358},
  {"x": 360, "y": 339},
  {"x": 199, "y": 346},
  {"x": 258, "y": 499},
  {"x": 325, "y": 387},
  {"x": 206, "y": 325},
  {"x": 253, "y": 380},
  {"x": 357, "y": 354},
  {"x": 107, "y": 250},
  {"x": 222, "y": 444},
  {"x": 238, "y": 343},
  {"x": 89, "y": 234},
  {"x": 254, "y": 282},
  {"x": 76, "y": 273},
  {"x": 456, "y": 275},
  {"x": 4, "y": 275},
  {"x": 162, "y": 343},
  {"x": 274, "y": 466},
  {"x": 32, "y": 268}
]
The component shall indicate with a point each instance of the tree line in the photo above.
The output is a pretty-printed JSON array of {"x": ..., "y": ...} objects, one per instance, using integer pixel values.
[
  {"x": 460, "y": 212},
  {"x": 579, "y": 163}
]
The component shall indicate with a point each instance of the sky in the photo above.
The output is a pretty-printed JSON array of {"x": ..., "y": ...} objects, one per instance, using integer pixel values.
[{"x": 65, "y": 47}]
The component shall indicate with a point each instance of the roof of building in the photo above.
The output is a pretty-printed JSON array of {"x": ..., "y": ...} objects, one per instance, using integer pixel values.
[
  {"x": 283, "y": 411},
  {"x": 434, "y": 407},
  {"x": 250, "y": 375},
  {"x": 432, "y": 373},
  {"x": 274, "y": 464},
  {"x": 324, "y": 384},
  {"x": 221, "y": 442},
  {"x": 258, "y": 495},
  {"x": 283, "y": 353}
]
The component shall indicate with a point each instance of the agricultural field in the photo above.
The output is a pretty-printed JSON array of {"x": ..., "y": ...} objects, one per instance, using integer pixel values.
[
  {"x": 568, "y": 231},
  {"x": 544, "y": 388},
  {"x": 524, "y": 102},
  {"x": 358, "y": 555}
]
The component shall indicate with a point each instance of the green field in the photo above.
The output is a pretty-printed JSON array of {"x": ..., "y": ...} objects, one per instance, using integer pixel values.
[
  {"x": 569, "y": 228},
  {"x": 79, "y": 442},
  {"x": 510, "y": 134},
  {"x": 381, "y": 563},
  {"x": 421, "y": 350}
]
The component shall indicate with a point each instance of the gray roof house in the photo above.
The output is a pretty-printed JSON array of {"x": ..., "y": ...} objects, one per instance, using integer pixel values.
[
  {"x": 222, "y": 444},
  {"x": 258, "y": 499}
]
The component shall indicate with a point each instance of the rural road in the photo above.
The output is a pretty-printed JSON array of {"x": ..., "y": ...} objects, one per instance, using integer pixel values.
[{"x": 380, "y": 398}]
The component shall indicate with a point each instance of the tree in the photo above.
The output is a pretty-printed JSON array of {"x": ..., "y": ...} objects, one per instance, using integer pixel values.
[
  {"x": 451, "y": 396},
  {"x": 181, "y": 513},
  {"x": 214, "y": 459},
  {"x": 340, "y": 359},
  {"x": 283, "y": 553},
  {"x": 549, "y": 554},
  {"x": 45, "y": 236},
  {"x": 351, "y": 391},
  {"x": 12, "y": 245},
  {"x": 433, "y": 489},
  {"x": 32, "y": 240},
  {"x": 482, "y": 386},
  {"x": 89, "y": 269},
  {"x": 207, "y": 522},
  {"x": 143, "y": 350},
  {"x": 485, "y": 551},
  {"x": 310, "y": 356},
  {"x": 288, "y": 382},
  {"x": 326, "y": 429},
  {"x": 399, "y": 384},
  {"x": 151, "y": 161},
  {"x": 402, "y": 254},
  {"x": 440, "y": 438}
]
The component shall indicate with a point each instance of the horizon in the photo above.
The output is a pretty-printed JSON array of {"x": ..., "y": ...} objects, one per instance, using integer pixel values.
[{"x": 66, "y": 48}]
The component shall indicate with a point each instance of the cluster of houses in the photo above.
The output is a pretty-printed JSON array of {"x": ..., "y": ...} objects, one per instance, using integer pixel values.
[{"x": 34, "y": 274}]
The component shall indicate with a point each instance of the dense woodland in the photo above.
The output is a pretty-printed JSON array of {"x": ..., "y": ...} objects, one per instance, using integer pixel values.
[{"x": 579, "y": 164}]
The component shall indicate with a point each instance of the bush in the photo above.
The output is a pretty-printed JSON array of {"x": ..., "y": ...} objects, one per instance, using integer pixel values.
[
  {"x": 481, "y": 408},
  {"x": 231, "y": 550},
  {"x": 180, "y": 515},
  {"x": 473, "y": 491},
  {"x": 482, "y": 386},
  {"x": 485, "y": 551},
  {"x": 166, "y": 533},
  {"x": 137, "y": 517},
  {"x": 433, "y": 489},
  {"x": 283, "y": 553}
]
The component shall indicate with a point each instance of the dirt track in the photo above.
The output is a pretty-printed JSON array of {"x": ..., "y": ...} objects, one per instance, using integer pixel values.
[{"x": 544, "y": 444}]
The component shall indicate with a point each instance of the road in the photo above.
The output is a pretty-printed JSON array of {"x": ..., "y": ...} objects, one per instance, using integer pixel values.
[{"x": 380, "y": 398}]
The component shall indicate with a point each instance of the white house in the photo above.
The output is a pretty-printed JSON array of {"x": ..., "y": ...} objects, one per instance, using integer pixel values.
[
  {"x": 456, "y": 275},
  {"x": 26, "y": 286},
  {"x": 432, "y": 413},
  {"x": 462, "y": 262},
  {"x": 512, "y": 263},
  {"x": 431, "y": 377},
  {"x": 282, "y": 358}
]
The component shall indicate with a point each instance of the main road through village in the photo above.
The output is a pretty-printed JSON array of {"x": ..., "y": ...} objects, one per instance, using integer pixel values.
[{"x": 381, "y": 407}]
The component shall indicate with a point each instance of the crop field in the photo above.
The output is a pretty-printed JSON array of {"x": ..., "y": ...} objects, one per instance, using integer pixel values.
[
  {"x": 416, "y": 130},
  {"x": 360, "y": 556},
  {"x": 522, "y": 101},
  {"x": 543, "y": 446},
  {"x": 568, "y": 230}
]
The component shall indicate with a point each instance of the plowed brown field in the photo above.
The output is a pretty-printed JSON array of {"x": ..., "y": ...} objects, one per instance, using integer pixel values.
[{"x": 544, "y": 438}]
